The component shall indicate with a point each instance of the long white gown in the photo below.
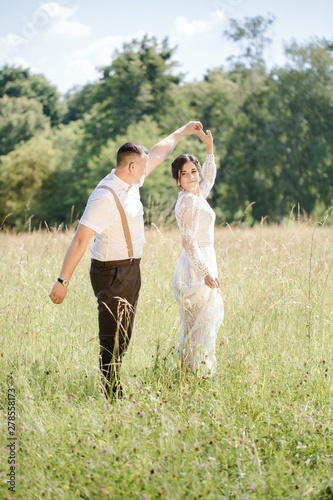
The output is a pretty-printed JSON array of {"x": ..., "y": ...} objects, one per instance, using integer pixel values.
[{"x": 201, "y": 307}]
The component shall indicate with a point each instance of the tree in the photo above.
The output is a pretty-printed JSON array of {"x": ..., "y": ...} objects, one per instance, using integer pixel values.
[
  {"x": 20, "y": 119},
  {"x": 79, "y": 101},
  {"x": 251, "y": 34},
  {"x": 136, "y": 84},
  {"x": 18, "y": 82},
  {"x": 23, "y": 172},
  {"x": 245, "y": 175},
  {"x": 302, "y": 111}
]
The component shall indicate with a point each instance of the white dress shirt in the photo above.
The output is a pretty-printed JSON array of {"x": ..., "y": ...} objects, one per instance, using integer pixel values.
[{"x": 102, "y": 216}]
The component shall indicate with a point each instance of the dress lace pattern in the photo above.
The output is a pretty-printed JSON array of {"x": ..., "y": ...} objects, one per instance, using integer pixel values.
[{"x": 201, "y": 307}]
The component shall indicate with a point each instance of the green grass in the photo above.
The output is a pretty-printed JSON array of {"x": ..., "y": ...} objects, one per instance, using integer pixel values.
[{"x": 261, "y": 428}]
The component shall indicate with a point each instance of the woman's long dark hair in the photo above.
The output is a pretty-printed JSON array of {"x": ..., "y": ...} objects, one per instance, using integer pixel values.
[{"x": 176, "y": 165}]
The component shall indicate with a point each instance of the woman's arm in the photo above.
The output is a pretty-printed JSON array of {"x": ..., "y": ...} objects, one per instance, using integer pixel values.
[
  {"x": 188, "y": 216},
  {"x": 209, "y": 167}
]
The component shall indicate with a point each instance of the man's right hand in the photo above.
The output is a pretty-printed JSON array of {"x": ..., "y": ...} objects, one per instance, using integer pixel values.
[
  {"x": 193, "y": 128},
  {"x": 73, "y": 256},
  {"x": 58, "y": 293}
]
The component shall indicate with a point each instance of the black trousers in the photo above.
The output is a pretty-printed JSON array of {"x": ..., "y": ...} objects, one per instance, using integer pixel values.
[{"x": 116, "y": 285}]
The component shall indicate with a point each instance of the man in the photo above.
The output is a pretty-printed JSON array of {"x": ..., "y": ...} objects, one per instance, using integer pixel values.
[{"x": 115, "y": 272}]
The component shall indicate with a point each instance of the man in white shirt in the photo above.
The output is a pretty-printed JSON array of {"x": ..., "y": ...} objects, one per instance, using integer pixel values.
[{"x": 115, "y": 277}]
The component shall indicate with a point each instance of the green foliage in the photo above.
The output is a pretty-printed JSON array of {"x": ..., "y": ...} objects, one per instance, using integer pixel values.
[
  {"x": 79, "y": 101},
  {"x": 22, "y": 177},
  {"x": 18, "y": 82},
  {"x": 251, "y": 33},
  {"x": 61, "y": 202},
  {"x": 136, "y": 84},
  {"x": 272, "y": 130},
  {"x": 20, "y": 119}
]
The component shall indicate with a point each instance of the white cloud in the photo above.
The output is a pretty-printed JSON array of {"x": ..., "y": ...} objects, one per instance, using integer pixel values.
[
  {"x": 217, "y": 16},
  {"x": 60, "y": 22},
  {"x": 10, "y": 45},
  {"x": 189, "y": 28},
  {"x": 98, "y": 53},
  {"x": 184, "y": 28}
]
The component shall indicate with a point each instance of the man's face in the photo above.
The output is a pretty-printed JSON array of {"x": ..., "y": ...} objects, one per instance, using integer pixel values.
[{"x": 140, "y": 167}]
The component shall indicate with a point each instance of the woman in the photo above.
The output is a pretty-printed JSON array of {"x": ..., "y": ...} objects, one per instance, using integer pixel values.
[{"x": 195, "y": 282}]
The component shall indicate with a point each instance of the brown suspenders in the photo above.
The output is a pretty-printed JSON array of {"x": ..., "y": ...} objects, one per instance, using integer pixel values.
[{"x": 123, "y": 221}]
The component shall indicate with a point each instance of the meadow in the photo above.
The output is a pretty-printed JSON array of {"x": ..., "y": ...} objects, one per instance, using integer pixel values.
[{"x": 262, "y": 427}]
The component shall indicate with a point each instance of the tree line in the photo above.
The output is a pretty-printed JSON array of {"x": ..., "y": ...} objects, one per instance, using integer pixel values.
[{"x": 273, "y": 130}]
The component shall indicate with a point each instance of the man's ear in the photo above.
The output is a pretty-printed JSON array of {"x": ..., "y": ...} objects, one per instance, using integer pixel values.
[{"x": 131, "y": 166}]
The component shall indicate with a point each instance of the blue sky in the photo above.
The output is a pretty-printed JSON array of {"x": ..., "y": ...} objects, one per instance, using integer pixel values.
[{"x": 66, "y": 40}]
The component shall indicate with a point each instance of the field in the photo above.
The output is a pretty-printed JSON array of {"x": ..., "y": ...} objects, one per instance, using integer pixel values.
[{"x": 262, "y": 427}]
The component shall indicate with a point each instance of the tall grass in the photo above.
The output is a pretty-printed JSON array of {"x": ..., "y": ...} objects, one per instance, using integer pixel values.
[{"x": 260, "y": 428}]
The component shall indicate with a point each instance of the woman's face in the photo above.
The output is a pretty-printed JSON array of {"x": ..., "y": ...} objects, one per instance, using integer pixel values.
[{"x": 189, "y": 178}]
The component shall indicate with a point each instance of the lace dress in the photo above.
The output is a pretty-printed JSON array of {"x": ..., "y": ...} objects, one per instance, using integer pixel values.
[{"x": 201, "y": 307}]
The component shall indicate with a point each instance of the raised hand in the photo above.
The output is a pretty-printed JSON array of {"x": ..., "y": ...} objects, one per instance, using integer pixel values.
[
  {"x": 193, "y": 128},
  {"x": 206, "y": 139}
]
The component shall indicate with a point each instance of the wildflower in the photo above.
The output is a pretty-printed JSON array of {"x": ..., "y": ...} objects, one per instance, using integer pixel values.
[
  {"x": 105, "y": 450},
  {"x": 142, "y": 414},
  {"x": 252, "y": 489},
  {"x": 128, "y": 465},
  {"x": 101, "y": 490}
]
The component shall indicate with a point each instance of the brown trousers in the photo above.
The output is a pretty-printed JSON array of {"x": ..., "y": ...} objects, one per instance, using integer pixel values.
[{"x": 116, "y": 285}]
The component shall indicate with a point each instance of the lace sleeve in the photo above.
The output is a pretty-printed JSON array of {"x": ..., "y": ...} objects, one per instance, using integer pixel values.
[
  {"x": 187, "y": 214},
  {"x": 209, "y": 174}
]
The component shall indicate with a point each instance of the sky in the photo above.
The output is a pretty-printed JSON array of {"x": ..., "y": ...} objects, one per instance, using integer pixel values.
[{"x": 68, "y": 40}]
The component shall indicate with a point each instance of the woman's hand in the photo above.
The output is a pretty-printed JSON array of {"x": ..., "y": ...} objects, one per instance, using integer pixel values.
[
  {"x": 212, "y": 282},
  {"x": 206, "y": 139}
]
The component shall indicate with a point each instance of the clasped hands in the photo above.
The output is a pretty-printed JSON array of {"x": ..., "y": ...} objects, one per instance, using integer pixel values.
[{"x": 197, "y": 129}]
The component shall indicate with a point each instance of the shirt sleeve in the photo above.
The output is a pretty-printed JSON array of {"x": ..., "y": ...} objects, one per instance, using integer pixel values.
[
  {"x": 208, "y": 174},
  {"x": 188, "y": 218},
  {"x": 100, "y": 211}
]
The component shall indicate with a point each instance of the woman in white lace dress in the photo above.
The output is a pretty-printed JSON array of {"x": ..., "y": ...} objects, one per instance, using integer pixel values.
[{"x": 195, "y": 282}]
